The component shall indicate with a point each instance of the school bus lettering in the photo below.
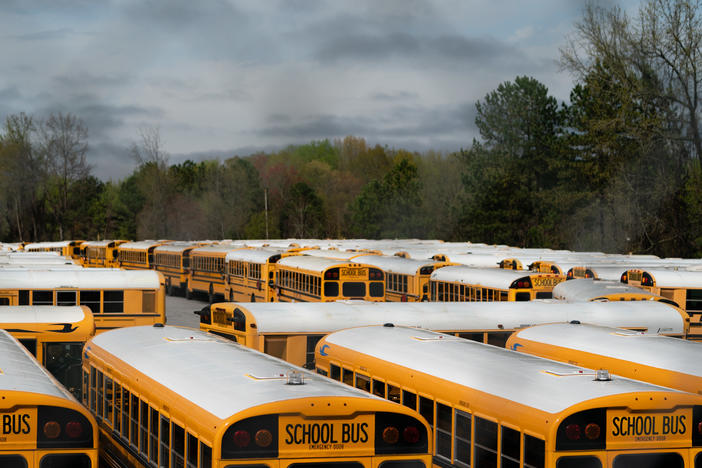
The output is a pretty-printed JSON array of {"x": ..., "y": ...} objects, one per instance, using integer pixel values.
[
  {"x": 354, "y": 273},
  {"x": 15, "y": 424},
  {"x": 547, "y": 282},
  {"x": 649, "y": 428},
  {"x": 316, "y": 433}
]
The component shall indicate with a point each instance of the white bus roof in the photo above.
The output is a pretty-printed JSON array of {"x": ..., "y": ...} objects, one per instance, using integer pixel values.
[
  {"x": 209, "y": 370},
  {"x": 141, "y": 245},
  {"x": 22, "y": 373},
  {"x": 254, "y": 255},
  {"x": 400, "y": 265},
  {"x": 488, "y": 277},
  {"x": 311, "y": 317},
  {"x": 86, "y": 278},
  {"x": 587, "y": 289},
  {"x": 41, "y": 314},
  {"x": 671, "y": 278},
  {"x": 316, "y": 264},
  {"x": 538, "y": 383},
  {"x": 663, "y": 352}
]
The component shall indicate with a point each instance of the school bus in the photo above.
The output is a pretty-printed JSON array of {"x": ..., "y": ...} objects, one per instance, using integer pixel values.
[
  {"x": 207, "y": 275},
  {"x": 406, "y": 279},
  {"x": 26, "y": 259},
  {"x": 463, "y": 283},
  {"x": 69, "y": 249},
  {"x": 138, "y": 255},
  {"x": 489, "y": 406},
  {"x": 54, "y": 335},
  {"x": 582, "y": 290},
  {"x": 318, "y": 279},
  {"x": 250, "y": 274},
  {"x": 172, "y": 260},
  {"x": 42, "y": 424},
  {"x": 200, "y": 401},
  {"x": 290, "y": 331},
  {"x": 117, "y": 298},
  {"x": 651, "y": 357},
  {"x": 101, "y": 254}
]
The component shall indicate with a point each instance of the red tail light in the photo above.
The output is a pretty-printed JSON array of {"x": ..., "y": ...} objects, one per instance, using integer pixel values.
[
  {"x": 263, "y": 438},
  {"x": 573, "y": 431},
  {"x": 390, "y": 426},
  {"x": 242, "y": 439},
  {"x": 74, "y": 429},
  {"x": 582, "y": 431},
  {"x": 52, "y": 430},
  {"x": 592, "y": 431},
  {"x": 391, "y": 435},
  {"x": 623, "y": 278},
  {"x": 411, "y": 435},
  {"x": 261, "y": 430},
  {"x": 569, "y": 275},
  {"x": 331, "y": 274},
  {"x": 63, "y": 428}
]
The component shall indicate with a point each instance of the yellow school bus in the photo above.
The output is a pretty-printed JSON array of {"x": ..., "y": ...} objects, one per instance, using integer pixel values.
[
  {"x": 69, "y": 249},
  {"x": 138, "y": 255},
  {"x": 406, "y": 279},
  {"x": 117, "y": 298},
  {"x": 200, "y": 401},
  {"x": 101, "y": 254},
  {"x": 54, "y": 335},
  {"x": 489, "y": 406},
  {"x": 290, "y": 331},
  {"x": 207, "y": 271},
  {"x": 250, "y": 274},
  {"x": 41, "y": 424}
]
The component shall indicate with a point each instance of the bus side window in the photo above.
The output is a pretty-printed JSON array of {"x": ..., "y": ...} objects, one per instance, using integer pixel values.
[
  {"x": 100, "y": 395},
  {"x": 165, "y": 441},
  {"x": 205, "y": 456},
  {"x": 134, "y": 434},
  {"x": 335, "y": 372},
  {"x": 192, "y": 452},
  {"x": 144, "y": 428},
  {"x": 23, "y": 297},
  {"x": 426, "y": 409},
  {"x": 378, "y": 388},
  {"x": 510, "y": 447},
  {"x": 393, "y": 393},
  {"x": 485, "y": 442},
  {"x": 443, "y": 431},
  {"x": 363, "y": 382},
  {"x": 178, "y": 447},
  {"x": 113, "y": 301},
  {"x": 462, "y": 436},
  {"x": 4, "y": 301},
  {"x": 347, "y": 376},
  {"x": 125, "y": 414},
  {"x": 498, "y": 338},
  {"x": 153, "y": 435},
  {"x": 534, "y": 452},
  {"x": 321, "y": 371},
  {"x": 409, "y": 399}
]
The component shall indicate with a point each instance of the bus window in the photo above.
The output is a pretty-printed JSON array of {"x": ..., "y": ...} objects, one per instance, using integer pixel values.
[
  {"x": 409, "y": 399},
  {"x": 485, "y": 442},
  {"x": 363, "y": 382},
  {"x": 479, "y": 337},
  {"x": 23, "y": 298},
  {"x": 205, "y": 456},
  {"x": 117, "y": 398},
  {"x": 125, "y": 414},
  {"x": 426, "y": 409},
  {"x": 376, "y": 289},
  {"x": 510, "y": 447},
  {"x": 498, "y": 338},
  {"x": 312, "y": 341},
  {"x": 379, "y": 388},
  {"x": 669, "y": 460},
  {"x": 331, "y": 289},
  {"x": 347, "y": 376},
  {"x": 178, "y": 447},
  {"x": 335, "y": 372},
  {"x": 588, "y": 461},
  {"x": 148, "y": 302},
  {"x": 30, "y": 344},
  {"x": 443, "y": 431},
  {"x": 144, "y": 428},
  {"x": 42, "y": 298},
  {"x": 534, "y": 452},
  {"x": 522, "y": 296},
  {"x": 66, "y": 298},
  {"x": 165, "y": 441},
  {"x": 153, "y": 435},
  {"x": 63, "y": 360},
  {"x": 694, "y": 300},
  {"x": 134, "y": 434},
  {"x": 544, "y": 295},
  {"x": 393, "y": 393},
  {"x": 4, "y": 301},
  {"x": 100, "y": 395},
  {"x": 462, "y": 438},
  {"x": 113, "y": 301},
  {"x": 192, "y": 452},
  {"x": 91, "y": 299}
]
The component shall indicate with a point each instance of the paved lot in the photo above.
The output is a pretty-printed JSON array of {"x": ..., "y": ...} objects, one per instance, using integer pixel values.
[{"x": 179, "y": 311}]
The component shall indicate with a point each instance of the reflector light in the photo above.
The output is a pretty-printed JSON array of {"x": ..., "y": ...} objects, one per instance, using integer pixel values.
[
  {"x": 391, "y": 435},
  {"x": 699, "y": 427},
  {"x": 411, "y": 435},
  {"x": 263, "y": 438},
  {"x": 573, "y": 431},
  {"x": 52, "y": 429},
  {"x": 592, "y": 431},
  {"x": 242, "y": 439},
  {"x": 623, "y": 278},
  {"x": 569, "y": 274},
  {"x": 74, "y": 429}
]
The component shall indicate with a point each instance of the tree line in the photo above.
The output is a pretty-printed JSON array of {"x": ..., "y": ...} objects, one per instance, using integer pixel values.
[{"x": 616, "y": 169}]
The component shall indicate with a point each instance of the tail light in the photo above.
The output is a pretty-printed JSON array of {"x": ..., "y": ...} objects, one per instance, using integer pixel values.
[
  {"x": 399, "y": 433},
  {"x": 646, "y": 280},
  {"x": 521, "y": 283},
  {"x": 582, "y": 431},
  {"x": 331, "y": 274},
  {"x": 624, "y": 278},
  {"x": 205, "y": 315},
  {"x": 63, "y": 428},
  {"x": 255, "y": 437},
  {"x": 569, "y": 275},
  {"x": 375, "y": 274}
]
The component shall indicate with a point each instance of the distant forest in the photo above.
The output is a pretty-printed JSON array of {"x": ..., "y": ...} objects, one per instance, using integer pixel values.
[{"x": 615, "y": 169}]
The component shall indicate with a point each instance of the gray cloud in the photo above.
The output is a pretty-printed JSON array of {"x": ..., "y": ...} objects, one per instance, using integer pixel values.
[{"x": 395, "y": 96}]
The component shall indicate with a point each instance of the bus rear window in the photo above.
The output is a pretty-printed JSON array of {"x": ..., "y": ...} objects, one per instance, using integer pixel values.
[
  {"x": 653, "y": 460},
  {"x": 376, "y": 289},
  {"x": 353, "y": 289},
  {"x": 331, "y": 289}
]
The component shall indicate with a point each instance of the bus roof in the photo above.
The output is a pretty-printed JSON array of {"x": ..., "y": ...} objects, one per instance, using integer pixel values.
[
  {"x": 537, "y": 383},
  {"x": 344, "y": 255},
  {"x": 316, "y": 264},
  {"x": 209, "y": 370},
  {"x": 49, "y": 245},
  {"x": 664, "y": 277},
  {"x": 255, "y": 255},
  {"x": 43, "y": 314},
  {"x": 489, "y": 277},
  {"x": 22, "y": 373},
  {"x": 393, "y": 264},
  {"x": 102, "y": 243},
  {"x": 313, "y": 317},
  {"x": 99, "y": 278},
  {"x": 588, "y": 289},
  {"x": 215, "y": 248},
  {"x": 141, "y": 245},
  {"x": 177, "y": 246},
  {"x": 649, "y": 349}
]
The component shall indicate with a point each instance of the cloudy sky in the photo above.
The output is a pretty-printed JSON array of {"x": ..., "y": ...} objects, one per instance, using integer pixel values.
[{"x": 226, "y": 77}]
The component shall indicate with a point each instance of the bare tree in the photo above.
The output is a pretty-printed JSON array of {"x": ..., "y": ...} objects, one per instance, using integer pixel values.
[{"x": 63, "y": 140}]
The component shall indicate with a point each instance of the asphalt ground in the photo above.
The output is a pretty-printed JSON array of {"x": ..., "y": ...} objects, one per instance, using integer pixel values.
[{"x": 179, "y": 311}]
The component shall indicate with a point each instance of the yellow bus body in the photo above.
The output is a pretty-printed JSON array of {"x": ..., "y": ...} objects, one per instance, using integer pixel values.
[
  {"x": 138, "y": 255},
  {"x": 101, "y": 254},
  {"x": 41, "y": 424},
  {"x": 151, "y": 419}
]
